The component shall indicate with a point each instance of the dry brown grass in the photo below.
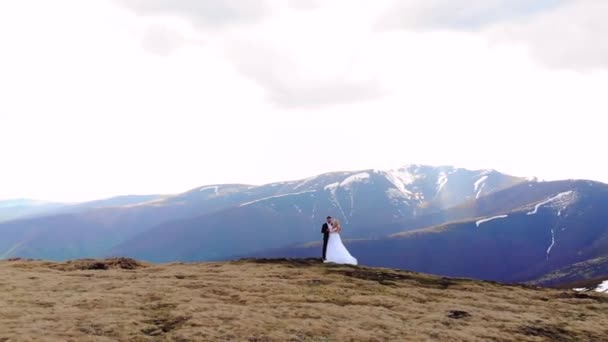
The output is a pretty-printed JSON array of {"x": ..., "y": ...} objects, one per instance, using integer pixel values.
[{"x": 279, "y": 300}]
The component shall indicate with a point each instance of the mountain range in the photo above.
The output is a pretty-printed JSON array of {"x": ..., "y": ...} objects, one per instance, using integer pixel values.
[
  {"x": 537, "y": 229},
  {"x": 443, "y": 220},
  {"x": 16, "y": 208}
]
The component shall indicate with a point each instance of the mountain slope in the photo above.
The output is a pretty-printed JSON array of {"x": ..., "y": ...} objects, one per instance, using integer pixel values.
[
  {"x": 90, "y": 231},
  {"x": 371, "y": 203},
  {"x": 17, "y": 208},
  {"x": 281, "y": 300},
  {"x": 187, "y": 226},
  {"x": 24, "y": 208},
  {"x": 518, "y": 196},
  {"x": 564, "y": 226},
  {"x": 594, "y": 270}
]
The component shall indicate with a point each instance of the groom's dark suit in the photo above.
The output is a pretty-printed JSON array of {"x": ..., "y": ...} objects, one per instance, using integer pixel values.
[{"x": 325, "y": 232}]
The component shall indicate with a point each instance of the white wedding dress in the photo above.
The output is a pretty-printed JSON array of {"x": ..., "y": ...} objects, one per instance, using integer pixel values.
[{"x": 337, "y": 252}]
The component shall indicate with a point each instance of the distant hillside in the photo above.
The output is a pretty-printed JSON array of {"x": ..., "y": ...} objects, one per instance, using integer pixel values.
[
  {"x": 17, "y": 208},
  {"x": 544, "y": 227},
  {"x": 216, "y": 221},
  {"x": 26, "y": 208},
  {"x": 280, "y": 300},
  {"x": 581, "y": 274},
  {"x": 372, "y": 203}
]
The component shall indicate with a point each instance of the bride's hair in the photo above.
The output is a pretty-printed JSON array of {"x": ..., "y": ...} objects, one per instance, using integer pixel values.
[{"x": 336, "y": 224}]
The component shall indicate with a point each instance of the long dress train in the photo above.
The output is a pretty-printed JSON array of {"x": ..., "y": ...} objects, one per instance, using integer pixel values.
[{"x": 337, "y": 252}]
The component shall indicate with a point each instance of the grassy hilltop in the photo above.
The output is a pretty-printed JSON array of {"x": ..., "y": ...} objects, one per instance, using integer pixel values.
[{"x": 279, "y": 300}]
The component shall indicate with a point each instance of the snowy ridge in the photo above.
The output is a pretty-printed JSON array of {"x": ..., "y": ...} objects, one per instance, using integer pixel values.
[
  {"x": 478, "y": 223},
  {"x": 399, "y": 183},
  {"x": 561, "y": 200},
  {"x": 304, "y": 182},
  {"x": 277, "y": 196},
  {"x": 333, "y": 188},
  {"x": 215, "y": 188},
  {"x": 441, "y": 181},
  {"x": 348, "y": 183},
  {"x": 359, "y": 177},
  {"x": 479, "y": 185},
  {"x": 403, "y": 176},
  {"x": 479, "y": 182}
]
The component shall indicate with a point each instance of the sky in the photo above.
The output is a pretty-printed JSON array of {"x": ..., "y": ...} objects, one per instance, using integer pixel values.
[{"x": 111, "y": 97}]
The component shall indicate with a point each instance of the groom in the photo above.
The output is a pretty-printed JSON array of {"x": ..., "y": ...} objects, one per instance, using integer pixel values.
[{"x": 325, "y": 231}]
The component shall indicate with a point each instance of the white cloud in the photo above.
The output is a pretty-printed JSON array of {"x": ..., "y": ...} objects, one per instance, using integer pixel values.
[
  {"x": 161, "y": 40},
  {"x": 558, "y": 33},
  {"x": 164, "y": 40},
  {"x": 290, "y": 79},
  {"x": 88, "y": 112},
  {"x": 305, "y": 4},
  {"x": 458, "y": 14},
  {"x": 203, "y": 13},
  {"x": 572, "y": 36},
  {"x": 298, "y": 64}
]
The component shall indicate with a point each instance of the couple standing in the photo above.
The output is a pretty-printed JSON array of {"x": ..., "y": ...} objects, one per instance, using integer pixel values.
[{"x": 333, "y": 248}]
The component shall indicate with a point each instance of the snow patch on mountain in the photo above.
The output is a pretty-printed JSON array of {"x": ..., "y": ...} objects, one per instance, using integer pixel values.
[
  {"x": 442, "y": 181},
  {"x": 603, "y": 287},
  {"x": 349, "y": 183},
  {"x": 552, "y": 243},
  {"x": 359, "y": 177},
  {"x": 561, "y": 200},
  {"x": 479, "y": 185},
  {"x": 277, "y": 196},
  {"x": 478, "y": 223},
  {"x": 334, "y": 199},
  {"x": 215, "y": 188},
  {"x": 479, "y": 182},
  {"x": 308, "y": 182},
  {"x": 399, "y": 181},
  {"x": 332, "y": 186},
  {"x": 304, "y": 182},
  {"x": 403, "y": 176}
]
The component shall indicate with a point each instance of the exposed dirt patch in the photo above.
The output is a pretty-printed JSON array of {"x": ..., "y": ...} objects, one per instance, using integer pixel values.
[
  {"x": 94, "y": 264},
  {"x": 95, "y": 330},
  {"x": 550, "y": 332},
  {"x": 285, "y": 261},
  {"x": 583, "y": 296},
  {"x": 458, "y": 314},
  {"x": 391, "y": 278},
  {"x": 317, "y": 282},
  {"x": 164, "y": 325}
]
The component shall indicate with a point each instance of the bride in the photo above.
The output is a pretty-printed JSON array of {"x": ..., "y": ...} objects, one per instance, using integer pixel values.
[{"x": 336, "y": 252}]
